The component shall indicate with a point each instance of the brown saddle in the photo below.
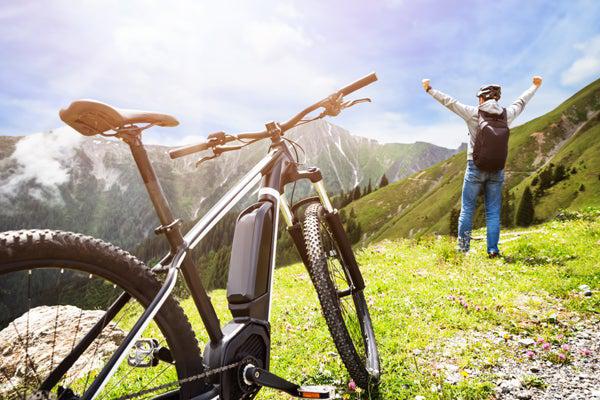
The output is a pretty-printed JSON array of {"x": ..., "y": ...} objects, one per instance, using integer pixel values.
[{"x": 90, "y": 117}]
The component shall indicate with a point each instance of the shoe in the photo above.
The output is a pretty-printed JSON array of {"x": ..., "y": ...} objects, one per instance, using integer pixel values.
[{"x": 493, "y": 254}]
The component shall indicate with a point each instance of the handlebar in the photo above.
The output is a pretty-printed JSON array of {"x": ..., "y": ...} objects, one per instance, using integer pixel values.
[
  {"x": 359, "y": 84},
  {"x": 213, "y": 142},
  {"x": 187, "y": 150}
]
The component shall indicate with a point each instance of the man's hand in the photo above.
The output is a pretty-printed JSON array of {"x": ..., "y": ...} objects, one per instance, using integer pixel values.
[
  {"x": 537, "y": 80},
  {"x": 427, "y": 86}
]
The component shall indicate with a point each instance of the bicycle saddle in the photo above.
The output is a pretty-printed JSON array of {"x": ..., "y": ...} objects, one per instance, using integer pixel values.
[{"x": 91, "y": 117}]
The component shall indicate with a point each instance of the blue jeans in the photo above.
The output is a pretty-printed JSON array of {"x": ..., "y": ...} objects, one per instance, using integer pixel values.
[{"x": 491, "y": 183}]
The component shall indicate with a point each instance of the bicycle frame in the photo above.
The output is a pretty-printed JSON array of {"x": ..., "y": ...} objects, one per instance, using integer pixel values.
[{"x": 275, "y": 170}]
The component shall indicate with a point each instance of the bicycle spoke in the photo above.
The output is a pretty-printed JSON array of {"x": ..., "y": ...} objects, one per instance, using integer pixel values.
[
  {"x": 56, "y": 317},
  {"x": 87, "y": 292},
  {"x": 100, "y": 343}
]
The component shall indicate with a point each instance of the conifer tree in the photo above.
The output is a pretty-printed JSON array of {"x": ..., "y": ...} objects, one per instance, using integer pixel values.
[
  {"x": 506, "y": 214},
  {"x": 454, "y": 214},
  {"x": 356, "y": 193},
  {"x": 526, "y": 212},
  {"x": 384, "y": 181}
]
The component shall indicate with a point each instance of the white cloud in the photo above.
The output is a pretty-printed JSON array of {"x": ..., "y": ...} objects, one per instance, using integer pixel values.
[
  {"x": 392, "y": 127},
  {"x": 40, "y": 159},
  {"x": 587, "y": 66}
]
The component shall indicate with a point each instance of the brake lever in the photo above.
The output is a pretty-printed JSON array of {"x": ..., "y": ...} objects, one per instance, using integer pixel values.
[
  {"x": 348, "y": 104},
  {"x": 203, "y": 159}
]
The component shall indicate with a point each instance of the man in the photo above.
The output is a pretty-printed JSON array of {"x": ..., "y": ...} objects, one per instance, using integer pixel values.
[{"x": 476, "y": 178}]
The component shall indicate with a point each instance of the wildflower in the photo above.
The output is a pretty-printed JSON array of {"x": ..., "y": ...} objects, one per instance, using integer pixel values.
[
  {"x": 565, "y": 347},
  {"x": 585, "y": 352},
  {"x": 352, "y": 385},
  {"x": 540, "y": 340},
  {"x": 546, "y": 346},
  {"x": 530, "y": 354},
  {"x": 561, "y": 356}
]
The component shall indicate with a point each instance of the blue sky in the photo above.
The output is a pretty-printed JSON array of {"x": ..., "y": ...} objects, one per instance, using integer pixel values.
[{"x": 234, "y": 65}]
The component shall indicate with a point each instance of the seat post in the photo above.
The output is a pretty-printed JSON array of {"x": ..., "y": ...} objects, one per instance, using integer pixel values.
[{"x": 207, "y": 312}]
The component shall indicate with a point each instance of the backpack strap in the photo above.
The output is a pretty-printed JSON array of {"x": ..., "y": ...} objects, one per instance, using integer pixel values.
[{"x": 497, "y": 117}]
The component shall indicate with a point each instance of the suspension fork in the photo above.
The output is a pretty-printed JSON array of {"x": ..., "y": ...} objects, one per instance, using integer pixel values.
[{"x": 333, "y": 220}]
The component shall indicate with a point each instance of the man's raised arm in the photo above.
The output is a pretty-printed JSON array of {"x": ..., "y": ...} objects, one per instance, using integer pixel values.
[
  {"x": 462, "y": 110},
  {"x": 517, "y": 107}
]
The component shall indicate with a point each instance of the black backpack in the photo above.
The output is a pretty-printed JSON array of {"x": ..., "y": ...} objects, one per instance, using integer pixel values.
[{"x": 491, "y": 143}]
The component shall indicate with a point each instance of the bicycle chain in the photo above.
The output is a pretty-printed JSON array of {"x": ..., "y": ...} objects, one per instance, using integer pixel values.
[{"x": 203, "y": 375}]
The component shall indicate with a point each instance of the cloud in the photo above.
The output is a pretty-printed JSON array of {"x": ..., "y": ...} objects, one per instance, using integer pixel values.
[
  {"x": 392, "y": 127},
  {"x": 215, "y": 65},
  {"x": 587, "y": 66},
  {"x": 41, "y": 164}
]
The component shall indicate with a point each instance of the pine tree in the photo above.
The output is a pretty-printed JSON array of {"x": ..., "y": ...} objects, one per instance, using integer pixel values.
[
  {"x": 506, "y": 215},
  {"x": 356, "y": 193},
  {"x": 369, "y": 187},
  {"x": 353, "y": 228},
  {"x": 454, "y": 214},
  {"x": 384, "y": 181},
  {"x": 343, "y": 217},
  {"x": 546, "y": 177},
  {"x": 352, "y": 213},
  {"x": 526, "y": 212}
]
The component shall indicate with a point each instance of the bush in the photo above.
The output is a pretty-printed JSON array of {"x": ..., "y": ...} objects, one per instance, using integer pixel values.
[
  {"x": 587, "y": 214},
  {"x": 560, "y": 173}
]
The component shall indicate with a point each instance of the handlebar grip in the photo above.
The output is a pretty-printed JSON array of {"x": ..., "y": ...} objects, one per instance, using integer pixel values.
[
  {"x": 362, "y": 82},
  {"x": 186, "y": 150}
]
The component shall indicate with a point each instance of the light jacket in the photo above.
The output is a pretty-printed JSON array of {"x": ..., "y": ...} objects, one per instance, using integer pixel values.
[{"x": 471, "y": 114}]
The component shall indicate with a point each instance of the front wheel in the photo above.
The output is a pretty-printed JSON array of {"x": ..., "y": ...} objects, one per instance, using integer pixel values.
[{"x": 344, "y": 307}]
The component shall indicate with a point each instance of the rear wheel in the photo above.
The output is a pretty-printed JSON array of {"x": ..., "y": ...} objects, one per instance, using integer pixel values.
[
  {"x": 54, "y": 287},
  {"x": 344, "y": 307}
]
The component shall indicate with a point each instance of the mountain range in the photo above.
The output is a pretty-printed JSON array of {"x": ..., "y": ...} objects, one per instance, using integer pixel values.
[{"x": 62, "y": 180}]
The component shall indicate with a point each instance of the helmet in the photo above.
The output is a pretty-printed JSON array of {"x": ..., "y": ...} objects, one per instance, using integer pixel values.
[{"x": 490, "y": 92}]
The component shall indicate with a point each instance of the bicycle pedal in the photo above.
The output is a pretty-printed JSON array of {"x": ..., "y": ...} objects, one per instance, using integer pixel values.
[
  {"x": 266, "y": 378},
  {"x": 147, "y": 353},
  {"x": 316, "y": 392}
]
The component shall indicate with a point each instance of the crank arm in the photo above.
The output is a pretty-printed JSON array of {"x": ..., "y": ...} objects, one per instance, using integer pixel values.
[{"x": 263, "y": 377}]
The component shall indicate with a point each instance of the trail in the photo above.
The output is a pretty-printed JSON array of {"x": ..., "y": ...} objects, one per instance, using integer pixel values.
[{"x": 511, "y": 235}]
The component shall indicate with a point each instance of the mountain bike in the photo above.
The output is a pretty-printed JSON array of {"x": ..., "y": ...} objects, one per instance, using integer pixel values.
[{"x": 105, "y": 306}]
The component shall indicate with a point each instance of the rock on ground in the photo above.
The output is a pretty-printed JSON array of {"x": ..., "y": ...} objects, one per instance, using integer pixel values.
[
  {"x": 540, "y": 379},
  {"x": 46, "y": 349}
]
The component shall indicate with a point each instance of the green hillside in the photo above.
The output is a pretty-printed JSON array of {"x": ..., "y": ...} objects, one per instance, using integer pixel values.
[
  {"x": 569, "y": 136},
  {"x": 445, "y": 322}
]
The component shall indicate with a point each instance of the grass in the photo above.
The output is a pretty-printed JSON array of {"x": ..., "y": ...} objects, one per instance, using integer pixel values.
[{"x": 443, "y": 320}]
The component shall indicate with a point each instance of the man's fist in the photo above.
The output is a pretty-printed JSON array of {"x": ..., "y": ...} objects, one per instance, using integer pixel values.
[
  {"x": 427, "y": 86},
  {"x": 537, "y": 80}
]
